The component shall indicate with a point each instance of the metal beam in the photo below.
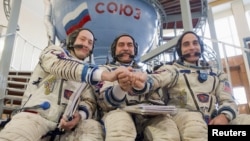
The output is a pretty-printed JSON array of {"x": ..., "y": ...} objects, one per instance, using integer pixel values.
[
  {"x": 155, "y": 52},
  {"x": 8, "y": 48},
  {"x": 218, "y": 2}
]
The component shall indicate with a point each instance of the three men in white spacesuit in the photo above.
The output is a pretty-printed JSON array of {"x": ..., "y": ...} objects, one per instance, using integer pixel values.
[{"x": 202, "y": 94}]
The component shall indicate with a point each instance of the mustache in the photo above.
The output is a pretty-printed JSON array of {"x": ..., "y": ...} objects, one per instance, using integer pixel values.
[
  {"x": 122, "y": 54},
  {"x": 81, "y": 46},
  {"x": 77, "y": 46},
  {"x": 198, "y": 54}
]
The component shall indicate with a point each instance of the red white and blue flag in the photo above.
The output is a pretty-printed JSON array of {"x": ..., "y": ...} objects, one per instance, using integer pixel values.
[
  {"x": 227, "y": 87},
  {"x": 77, "y": 18}
]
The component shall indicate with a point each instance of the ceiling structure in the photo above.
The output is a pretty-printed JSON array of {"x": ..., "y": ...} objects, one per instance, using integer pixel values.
[
  {"x": 171, "y": 12},
  {"x": 172, "y": 9},
  {"x": 171, "y": 17}
]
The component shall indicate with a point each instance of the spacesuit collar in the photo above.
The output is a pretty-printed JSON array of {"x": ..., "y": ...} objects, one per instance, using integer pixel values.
[
  {"x": 185, "y": 63},
  {"x": 198, "y": 65},
  {"x": 67, "y": 52},
  {"x": 123, "y": 64},
  {"x": 72, "y": 54}
]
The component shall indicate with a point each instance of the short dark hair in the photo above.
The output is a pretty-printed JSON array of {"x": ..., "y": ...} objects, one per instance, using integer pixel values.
[
  {"x": 178, "y": 44},
  {"x": 113, "y": 45}
]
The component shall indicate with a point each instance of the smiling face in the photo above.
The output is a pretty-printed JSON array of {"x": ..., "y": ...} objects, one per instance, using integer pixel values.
[
  {"x": 86, "y": 39},
  {"x": 125, "y": 49},
  {"x": 190, "y": 45}
]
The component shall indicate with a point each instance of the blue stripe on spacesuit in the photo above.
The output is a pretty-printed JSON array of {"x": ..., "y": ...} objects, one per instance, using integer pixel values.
[
  {"x": 83, "y": 108},
  {"x": 90, "y": 77},
  {"x": 84, "y": 72},
  {"x": 227, "y": 108},
  {"x": 139, "y": 92},
  {"x": 87, "y": 74},
  {"x": 110, "y": 99},
  {"x": 114, "y": 98}
]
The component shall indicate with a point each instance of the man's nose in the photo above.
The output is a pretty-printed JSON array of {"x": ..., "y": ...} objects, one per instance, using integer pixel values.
[
  {"x": 85, "y": 43},
  {"x": 125, "y": 47},
  {"x": 192, "y": 46}
]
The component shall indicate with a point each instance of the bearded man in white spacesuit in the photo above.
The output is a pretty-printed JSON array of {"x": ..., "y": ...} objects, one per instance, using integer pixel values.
[
  {"x": 113, "y": 96},
  {"x": 202, "y": 94},
  {"x": 58, "y": 75}
]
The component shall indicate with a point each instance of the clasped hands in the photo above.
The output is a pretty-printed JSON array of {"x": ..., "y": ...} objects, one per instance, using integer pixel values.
[{"x": 128, "y": 78}]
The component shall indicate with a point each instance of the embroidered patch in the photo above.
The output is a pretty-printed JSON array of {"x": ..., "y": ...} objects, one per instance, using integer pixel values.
[
  {"x": 37, "y": 81},
  {"x": 227, "y": 87},
  {"x": 49, "y": 85},
  {"x": 59, "y": 54},
  {"x": 182, "y": 98},
  {"x": 203, "y": 97},
  {"x": 99, "y": 85},
  {"x": 67, "y": 93}
]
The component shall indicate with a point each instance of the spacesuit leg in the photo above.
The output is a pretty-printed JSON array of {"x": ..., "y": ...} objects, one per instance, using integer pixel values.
[
  {"x": 241, "y": 119},
  {"x": 26, "y": 127},
  {"x": 119, "y": 126},
  {"x": 192, "y": 126},
  {"x": 161, "y": 128},
  {"x": 86, "y": 130}
]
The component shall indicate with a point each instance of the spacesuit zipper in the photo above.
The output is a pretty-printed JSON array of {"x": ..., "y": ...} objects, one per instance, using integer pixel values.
[{"x": 192, "y": 93}]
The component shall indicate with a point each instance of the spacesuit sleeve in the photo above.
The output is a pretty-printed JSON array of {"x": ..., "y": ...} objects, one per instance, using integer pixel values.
[
  {"x": 107, "y": 91},
  {"x": 56, "y": 61},
  {"x": 225, "y": 97},
  {"x": 88, "y": 102},
  {"x": 165, "y": 76}
]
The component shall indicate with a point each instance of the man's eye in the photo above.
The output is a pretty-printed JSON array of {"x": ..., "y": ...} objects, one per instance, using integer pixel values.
[
  {"x": 121, "y": 45},
  {"x": 90, "y": 43},
  {"x": 195, "y": 43},
  {"x": 130, "y": 45},
  {"x": 185, "y": 44}
]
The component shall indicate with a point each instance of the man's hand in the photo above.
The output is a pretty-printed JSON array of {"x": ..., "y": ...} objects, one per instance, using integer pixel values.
[
  {"x": 138, "y": 80},
  {"x": 124, "y": 79},
  {"x": 221, "y": 119},
  {"x": 68, "y": 125},
  {"x": 113, "y": 75}
]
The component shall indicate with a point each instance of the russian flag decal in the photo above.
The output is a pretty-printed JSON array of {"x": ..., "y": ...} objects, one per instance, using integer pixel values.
[{"x": 77, "y": 18}]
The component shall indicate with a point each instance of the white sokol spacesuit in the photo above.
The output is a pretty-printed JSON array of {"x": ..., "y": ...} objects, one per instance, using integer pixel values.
[
  {"x": 121, "y": 125},
  {"x": 197, "y": 101},
  {"x": 198, "y": 91},
  {"x": 56, "y": 77}
]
